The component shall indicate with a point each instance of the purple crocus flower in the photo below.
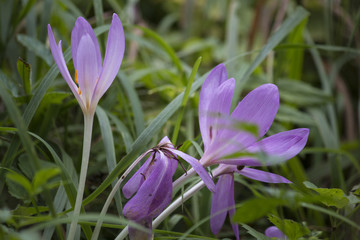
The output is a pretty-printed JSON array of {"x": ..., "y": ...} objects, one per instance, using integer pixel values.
[
  {"x": 153, "y": 185},
  {"x": 222, "y": 140},
  {"x": 92, "y": 76},
  {"x": 274, "y": 232}
]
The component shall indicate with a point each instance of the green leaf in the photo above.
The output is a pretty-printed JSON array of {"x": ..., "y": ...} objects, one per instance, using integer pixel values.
[
  {"x": 301, "y": 93},
  {"x": 331, "y": 197},
  {"x": 289, "y": 24},
  {"x": 35, "y": 46},
  {"x": 290, "y": 228},
  {"x": 254, "y": 233},
  {"x": 250, "y": 211},
  {"x": 29, "y": 211},
  {"x": 108, "y": 139},
  {"x": 24, "y": 70},
  {"x": 42, "y": 177},
  {"x": 20, "y": 180}
]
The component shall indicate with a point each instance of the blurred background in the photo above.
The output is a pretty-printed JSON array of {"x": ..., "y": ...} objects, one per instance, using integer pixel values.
[{"x": 311, "y": 54}]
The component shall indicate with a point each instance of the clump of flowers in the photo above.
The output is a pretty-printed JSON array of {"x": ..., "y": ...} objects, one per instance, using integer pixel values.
[{"x": 223, "y": 141}]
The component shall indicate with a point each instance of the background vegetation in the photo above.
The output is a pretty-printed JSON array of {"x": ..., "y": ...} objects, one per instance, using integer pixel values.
[{"x": 309, "y": 49}]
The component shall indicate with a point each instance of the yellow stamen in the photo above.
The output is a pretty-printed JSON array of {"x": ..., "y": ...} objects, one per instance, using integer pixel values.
[
  {"x": 79, "y": 91},
  {"x": 76, "y": 78},
  {"x": 97, "y": 78}
]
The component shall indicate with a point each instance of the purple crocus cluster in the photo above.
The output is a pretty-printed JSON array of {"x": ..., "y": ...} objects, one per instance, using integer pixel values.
[
  {"x": 222, "y": 140},
  {"x": 227, "y": 143}
]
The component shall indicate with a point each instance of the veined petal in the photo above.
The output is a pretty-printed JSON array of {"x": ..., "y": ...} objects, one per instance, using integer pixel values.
[
  {"x": 259, "y": 107},
  {"x": 60, "y": 62},
  {"x": 87, "y": 68},
  {"x": 113, "y": 57},
  {"x": 153, "y": 195},
  {"x": 199, "y": 169},
  {"x": 215, "y": 78},
  {"x": 220, "y": 202},
  {"x": 137, "y": 179},
  {"x": 283, "y": 145},
  {"x": 262, "y": 176},
  {"x": 81, "y": 28},
  {"x": 217, "y": 116},
  {"x": 279, "y": 148}
]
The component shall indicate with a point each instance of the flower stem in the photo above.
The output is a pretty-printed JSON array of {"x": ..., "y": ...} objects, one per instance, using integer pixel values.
[
  {"x": 112, "y": 194},
  {"x": 88, "y": 124},
  {"x": 177, "y": 203}
]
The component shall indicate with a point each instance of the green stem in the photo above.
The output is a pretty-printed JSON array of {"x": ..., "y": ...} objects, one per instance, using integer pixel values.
[{"x": 88, "y": 124}]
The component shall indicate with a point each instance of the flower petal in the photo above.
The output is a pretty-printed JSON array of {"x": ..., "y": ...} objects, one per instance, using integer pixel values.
[
  {"x": 81, "y": 28},
  {"x": 219, "y": 109},
  {"x": 216, "y": 77},
  {"x": 220, "y": 202},
  {"x": 199, "y": 169},
  {"x": 274, "y": 232},
  {"x": 262, "y": 176},
  {"x": 283, "y": 145},
  {"x": 137, "y": 179},
  {"x": 87, "y": 67},
  {"x": 155, "y": 193},
  {"x": 259, "y": 107},
  {"x": 231, "y": 199},
  {"x": 278, "y": 148},
  {"x": 115, "y": 48},
  {"x": 60, "y": 62}
]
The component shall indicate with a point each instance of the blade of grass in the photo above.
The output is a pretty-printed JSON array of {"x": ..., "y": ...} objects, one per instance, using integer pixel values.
[
  {"x": 134, "y": 102},
  {"x": 184, "y": 100},
  {"x": 108, "y": 140},
  {"x": 289, "y": 24}
]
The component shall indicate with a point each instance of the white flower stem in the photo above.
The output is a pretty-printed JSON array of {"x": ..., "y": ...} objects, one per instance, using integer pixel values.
[
  {"x": 112, "y": 194},
  {"x": 180, "y": 181},
  {"x": 177, "y": 203},
  {"x": 88, "y": 125}
]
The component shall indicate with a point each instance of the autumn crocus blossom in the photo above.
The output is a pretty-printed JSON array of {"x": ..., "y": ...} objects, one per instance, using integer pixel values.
[
  {"x": 223, "y": 141},
  {"x": 92, "y": 77},
  {"x": 152, "y": 184}
]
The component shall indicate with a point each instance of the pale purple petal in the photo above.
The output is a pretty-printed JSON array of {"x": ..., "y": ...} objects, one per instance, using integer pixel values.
[
  {"x": 87, "y": 68},
  {"x": 231, "y": 199},
  {"x": 137, "y": 179},
  {"x": 165, "y": 140},
  {"x": 153, "y": 195},
  {"x": 220, "y": 202},
  {"x": 279, "y": 148},
  {"x": 81, "y": 28},
  {"x": 115, "y": 48},
  {"x": 274, "y": 232},
  {"x": 199, "y": 169},
  {"x": 283, "y": 145},
  {"x": 262, "y": 176},
  {"x": 259, "y": 107},
  {"x": 60, "y": 62},
  {"x": 244, "y": 161},
  {"x": 215, "y": 78},
  {"x": 217, "y": 115}
]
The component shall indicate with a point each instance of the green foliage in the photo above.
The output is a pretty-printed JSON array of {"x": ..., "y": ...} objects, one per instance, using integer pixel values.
[
  {"x": 290, "y": 228},
  {"x": 308, "y": 49},
  {"x": 250, "y": 211},
  {"x": 332, "y": 197}
]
